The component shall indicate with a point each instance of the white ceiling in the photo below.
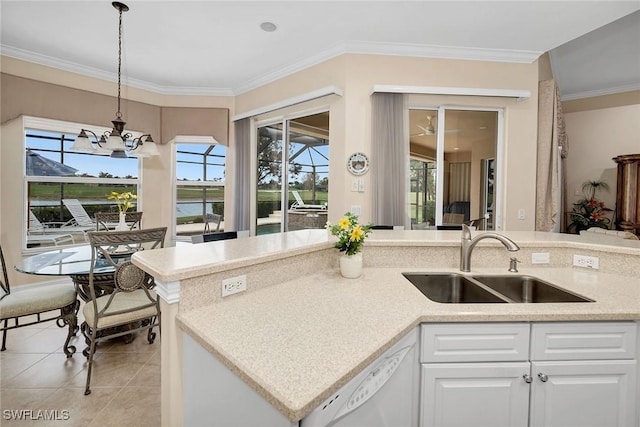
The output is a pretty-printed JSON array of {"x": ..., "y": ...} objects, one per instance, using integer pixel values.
[{"x": 217, "y": 47}]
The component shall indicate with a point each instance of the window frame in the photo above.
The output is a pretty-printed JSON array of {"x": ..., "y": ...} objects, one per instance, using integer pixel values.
[
  {"x": 68, "y": 128},
  {"x": 192, "y": 140}
]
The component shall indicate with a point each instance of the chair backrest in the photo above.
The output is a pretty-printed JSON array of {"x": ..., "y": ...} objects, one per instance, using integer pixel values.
[
  {"x": 449, "y": 227},
  {"x": 212, "y": 221},
  {"x": 297, "y": 197},
  {"x": 110, "y": 248},
  {"x": 108, "y": 220},
  {"x": 34, "y": 223},
  {"x": 211, "y": 237},
  {"x": 4, "y": 279},
  {"x": 453, "y": 218},
  {"x": 79, "y": 214}
]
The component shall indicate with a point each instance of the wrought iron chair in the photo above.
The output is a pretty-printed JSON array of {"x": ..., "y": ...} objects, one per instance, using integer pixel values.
[
  {"x": 108, "y": 220},
  {"x": 42, "y": 304},
  {"x": 211, "y": 220},
  {"x": 131, "y": 306}
]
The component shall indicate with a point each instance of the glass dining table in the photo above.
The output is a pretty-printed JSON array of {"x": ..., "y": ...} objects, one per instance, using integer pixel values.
[{"x": 75, "y": 262}]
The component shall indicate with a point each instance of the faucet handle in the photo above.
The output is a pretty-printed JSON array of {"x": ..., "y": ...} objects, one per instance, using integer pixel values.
[{"x": 513, "y": 264}]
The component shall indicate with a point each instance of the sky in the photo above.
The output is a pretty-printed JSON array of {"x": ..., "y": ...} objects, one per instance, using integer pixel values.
[{"x": 94, "y": 164}]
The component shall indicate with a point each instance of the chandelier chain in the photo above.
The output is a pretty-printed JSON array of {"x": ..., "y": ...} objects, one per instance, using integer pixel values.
[{"x": 118, "y": 113}]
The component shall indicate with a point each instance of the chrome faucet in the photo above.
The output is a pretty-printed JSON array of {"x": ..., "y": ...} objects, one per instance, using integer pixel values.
[{"x": 467, "y": 245}]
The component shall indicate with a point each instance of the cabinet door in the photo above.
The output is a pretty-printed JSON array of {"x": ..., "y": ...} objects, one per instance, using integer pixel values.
[
  {"x": 474, "y": 394},
  {"x": 583, "y": 393}
]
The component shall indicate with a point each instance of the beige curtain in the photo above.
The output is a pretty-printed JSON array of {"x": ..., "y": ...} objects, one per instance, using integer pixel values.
[
  {"x": 389, "y": 159},
  {"x": 552, "y": 150},
  {"x": 242, "y": 175},
  {"x": 460, "y": 182}
]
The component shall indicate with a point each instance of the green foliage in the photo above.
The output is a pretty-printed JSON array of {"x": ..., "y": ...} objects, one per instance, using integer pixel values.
[
  {"x": 350, "y": 234},
  {"x": 589, "y": 212}
]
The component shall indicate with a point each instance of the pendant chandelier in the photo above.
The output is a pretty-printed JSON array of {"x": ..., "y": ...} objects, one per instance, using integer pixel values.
[{"x": 118, "y": 142}]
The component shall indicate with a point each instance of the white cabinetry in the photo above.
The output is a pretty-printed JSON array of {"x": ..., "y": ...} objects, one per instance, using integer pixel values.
[
  {"x": 483, "y": 382},
  {"x": 572, "y": 374},
  {"x": 584, "y": 374}
]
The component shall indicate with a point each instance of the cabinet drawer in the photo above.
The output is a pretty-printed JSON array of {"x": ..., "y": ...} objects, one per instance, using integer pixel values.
[
  {"x": 583, "y": 341},
  {"x": 478, "y": 342}
]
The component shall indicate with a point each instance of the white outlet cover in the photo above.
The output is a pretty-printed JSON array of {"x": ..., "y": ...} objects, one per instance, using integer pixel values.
[{"x": 540, "y": 258}]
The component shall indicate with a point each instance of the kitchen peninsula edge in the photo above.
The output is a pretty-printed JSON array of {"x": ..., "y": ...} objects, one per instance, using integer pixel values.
[{"x": 294, "y": 291}]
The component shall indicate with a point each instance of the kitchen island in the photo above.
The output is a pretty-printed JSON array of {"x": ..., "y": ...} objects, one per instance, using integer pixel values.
[{"x": 300, "y": 331}]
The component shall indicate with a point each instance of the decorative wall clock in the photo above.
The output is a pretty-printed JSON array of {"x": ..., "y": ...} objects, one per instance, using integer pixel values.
[{"x": 358, "y": 163}]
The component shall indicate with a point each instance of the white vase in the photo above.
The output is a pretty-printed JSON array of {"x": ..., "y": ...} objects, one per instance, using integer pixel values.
[
  {"x": 122, "y": 224},
  {"x": 351, "y": 265}
]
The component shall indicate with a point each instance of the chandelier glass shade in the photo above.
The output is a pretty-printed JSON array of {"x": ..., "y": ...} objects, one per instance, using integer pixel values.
[{"x": 117, "y": 142}]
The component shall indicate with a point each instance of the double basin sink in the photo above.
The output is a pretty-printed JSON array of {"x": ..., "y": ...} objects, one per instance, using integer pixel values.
[{"x": 454, "y": 288}]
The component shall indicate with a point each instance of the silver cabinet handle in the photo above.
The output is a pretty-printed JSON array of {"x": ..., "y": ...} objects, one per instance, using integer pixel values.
[
  {"x": 543, "y": 377},
  {"x": 527, "y": 378}
]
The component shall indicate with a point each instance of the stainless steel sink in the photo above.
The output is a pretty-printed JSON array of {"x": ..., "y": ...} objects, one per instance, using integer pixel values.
[
  {"x": 528, "y": 289},
  {"x": 452, "y": 288}
]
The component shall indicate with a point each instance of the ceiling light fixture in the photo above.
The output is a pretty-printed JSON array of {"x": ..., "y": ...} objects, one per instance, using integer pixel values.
[
  {"x": 269, "y": 27},
  {"x": 117, "y": 141}
]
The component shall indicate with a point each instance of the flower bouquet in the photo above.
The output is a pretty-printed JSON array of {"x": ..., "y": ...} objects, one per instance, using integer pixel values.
[{"x": 351, "y": 236}]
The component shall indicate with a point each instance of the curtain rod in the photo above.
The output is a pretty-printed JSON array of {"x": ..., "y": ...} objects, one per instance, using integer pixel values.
[{"x": 309, "y": 96}]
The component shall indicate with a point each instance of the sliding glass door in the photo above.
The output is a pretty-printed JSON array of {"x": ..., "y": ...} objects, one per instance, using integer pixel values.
[
  {"x": 453, "y": 167},
  {"x": 296, "y": 196}
]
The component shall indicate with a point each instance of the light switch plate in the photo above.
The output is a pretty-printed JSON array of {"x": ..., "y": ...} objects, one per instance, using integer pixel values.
[{"x": 540, "y": 258}]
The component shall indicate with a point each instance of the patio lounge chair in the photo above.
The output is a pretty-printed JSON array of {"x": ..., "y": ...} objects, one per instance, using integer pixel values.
[
  {"x": 80, "y": 216},
  {"x": 300, "y": 204},
  {"x": 38, "y": 233}
]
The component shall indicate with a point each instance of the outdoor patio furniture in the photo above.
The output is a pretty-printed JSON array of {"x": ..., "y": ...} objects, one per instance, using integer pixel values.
[
  {"x": 80, "y": 216},
  {"x": 300, "y": 204},
  {"x": 38, "y": 232},
  {"x": 41, "y": 304}
]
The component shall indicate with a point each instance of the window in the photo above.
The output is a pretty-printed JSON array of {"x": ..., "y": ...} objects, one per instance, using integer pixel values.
[
  {"x": 298, "y": 198},
  {"x": 54, "y": 173},
  {"x": 200, "y": 178},
  {"x": 453, "y": 180}
]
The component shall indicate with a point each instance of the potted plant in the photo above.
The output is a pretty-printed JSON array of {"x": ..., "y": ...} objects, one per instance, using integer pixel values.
[
  {"x": 589, "y": 211},
  {"x": 351, "y": 236},
  {"x": 123, "y": 201}
]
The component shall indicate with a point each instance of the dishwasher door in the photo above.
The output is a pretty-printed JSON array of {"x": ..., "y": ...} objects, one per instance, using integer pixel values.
[{"x": 385, "y": 394}]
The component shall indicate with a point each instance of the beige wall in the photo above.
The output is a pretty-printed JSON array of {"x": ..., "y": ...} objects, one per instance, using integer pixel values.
[
  {"x": 595, "y": 137},
  {"x": 350, "y": 122},
  {"x": 351, "y": 116},
  {"x": 58, "y": 95}
]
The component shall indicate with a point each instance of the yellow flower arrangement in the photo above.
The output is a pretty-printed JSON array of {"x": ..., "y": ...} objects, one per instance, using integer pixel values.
[
  {"x": 123, "y": 200},
  {"x": 350, "y": 234}
]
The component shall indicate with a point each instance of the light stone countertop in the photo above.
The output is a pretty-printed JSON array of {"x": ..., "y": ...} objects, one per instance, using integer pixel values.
[{"x": 297, "y": 341}]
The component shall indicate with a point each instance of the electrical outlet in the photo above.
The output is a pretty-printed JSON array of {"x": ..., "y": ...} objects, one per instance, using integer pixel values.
[
  {"x": 233, "y": 285},
  {"x": 521, "y": 214},
  {"x": 586, "y": 261}
]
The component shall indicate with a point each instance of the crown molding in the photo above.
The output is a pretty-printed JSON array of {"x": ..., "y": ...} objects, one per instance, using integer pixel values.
[
  {"x": 73, "y": 67},
  {"x": 600, "y": 92},
  {"x": 443, "y": 52},
  {"x": 353, "y": 47}
]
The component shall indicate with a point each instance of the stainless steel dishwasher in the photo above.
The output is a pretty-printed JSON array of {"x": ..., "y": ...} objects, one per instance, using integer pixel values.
[{"x": 384, "y": 394}]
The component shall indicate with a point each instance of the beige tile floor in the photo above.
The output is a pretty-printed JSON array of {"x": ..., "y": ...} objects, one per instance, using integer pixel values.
[{"x": 36, "y": 376}]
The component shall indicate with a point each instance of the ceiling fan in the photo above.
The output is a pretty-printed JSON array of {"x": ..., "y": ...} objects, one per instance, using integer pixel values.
[{"x": 430, "y": 130}]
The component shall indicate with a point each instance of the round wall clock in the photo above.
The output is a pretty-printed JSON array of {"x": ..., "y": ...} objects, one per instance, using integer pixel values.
[{"x": 358, "y": 163}]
